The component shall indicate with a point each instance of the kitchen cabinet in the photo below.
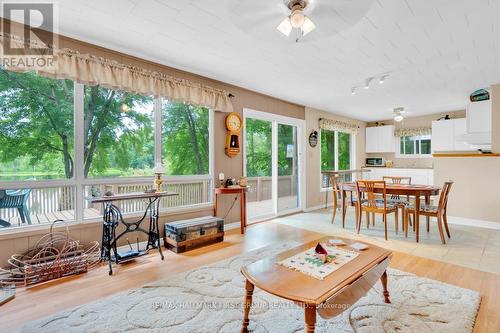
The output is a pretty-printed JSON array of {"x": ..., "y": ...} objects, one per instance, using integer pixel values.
[
  {"x": 380, "y": 139},
  {"x": 479, "y": 117},
  {"x": 447, "y": 135}
]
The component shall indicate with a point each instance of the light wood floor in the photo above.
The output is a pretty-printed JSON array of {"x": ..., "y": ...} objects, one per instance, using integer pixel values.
[{"x": 59, "y": 295}]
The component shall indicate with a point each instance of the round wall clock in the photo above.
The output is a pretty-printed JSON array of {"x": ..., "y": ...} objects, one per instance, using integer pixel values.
[
  {"x": 233, "y": 122},
  {"x": 313, "y": 139}
]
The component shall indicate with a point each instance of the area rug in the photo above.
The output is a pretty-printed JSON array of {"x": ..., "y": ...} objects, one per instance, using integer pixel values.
[{"x": 209, "y": 300}]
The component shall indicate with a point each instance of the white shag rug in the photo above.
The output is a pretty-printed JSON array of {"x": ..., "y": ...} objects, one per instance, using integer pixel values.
[{"x": 209, "y": 299}]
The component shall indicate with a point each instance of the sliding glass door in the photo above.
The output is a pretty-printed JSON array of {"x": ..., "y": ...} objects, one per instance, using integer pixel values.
[
  {"x": 288, "y": 173},
  {"x": 259, "y": 170},
  {"x": 272, "y": 152}
]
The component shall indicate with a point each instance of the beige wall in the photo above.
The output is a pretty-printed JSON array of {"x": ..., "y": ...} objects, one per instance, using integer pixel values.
[
  {"x": 314, "y": 196},
  {"x": 475, "y": 192},
  {"x": 423, "y": 121}
]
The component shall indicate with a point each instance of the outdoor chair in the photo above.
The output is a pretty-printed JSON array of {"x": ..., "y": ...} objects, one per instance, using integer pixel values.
[{"x": 15, "y": 199}]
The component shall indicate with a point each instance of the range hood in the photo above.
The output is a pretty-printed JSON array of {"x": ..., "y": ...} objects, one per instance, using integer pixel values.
[{"x": 479, "y": 125}]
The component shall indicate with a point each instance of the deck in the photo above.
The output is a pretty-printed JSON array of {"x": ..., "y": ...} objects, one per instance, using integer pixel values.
[{"x": 45, "y": 218}]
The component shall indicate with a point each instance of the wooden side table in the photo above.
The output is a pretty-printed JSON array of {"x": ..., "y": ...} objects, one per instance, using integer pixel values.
[{"x": 242, "y": 191}]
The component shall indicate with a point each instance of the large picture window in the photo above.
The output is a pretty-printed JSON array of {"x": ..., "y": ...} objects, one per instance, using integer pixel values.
[
  {"x": 62, "y": 142},
  {"x": 185, "y": 139},
  {"x": 118, "y": 133},
  {"x": 36, "y": 127},
  {"x": 336, "y": 153}
]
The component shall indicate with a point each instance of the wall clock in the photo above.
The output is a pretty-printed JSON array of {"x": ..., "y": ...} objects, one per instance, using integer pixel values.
[
  {"x": 313, "y": 139},
  {"x": 233, "y": 127}
]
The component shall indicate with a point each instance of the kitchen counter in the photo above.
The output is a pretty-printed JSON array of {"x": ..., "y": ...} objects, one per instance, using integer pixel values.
[{"x": 411, "y": 168}]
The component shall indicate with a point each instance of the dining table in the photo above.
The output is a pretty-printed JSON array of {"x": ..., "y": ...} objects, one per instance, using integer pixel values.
[{"x": 412, "y": 190}]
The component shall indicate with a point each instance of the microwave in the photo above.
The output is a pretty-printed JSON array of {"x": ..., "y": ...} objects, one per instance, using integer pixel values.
[{"x": 375, "y": 161}]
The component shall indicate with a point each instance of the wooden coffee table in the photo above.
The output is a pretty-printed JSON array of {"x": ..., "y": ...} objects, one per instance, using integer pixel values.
[{"x": 329, "y": 297}]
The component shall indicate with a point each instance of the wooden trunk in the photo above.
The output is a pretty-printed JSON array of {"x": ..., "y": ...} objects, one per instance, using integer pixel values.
[{"x": 180, "y": 235}]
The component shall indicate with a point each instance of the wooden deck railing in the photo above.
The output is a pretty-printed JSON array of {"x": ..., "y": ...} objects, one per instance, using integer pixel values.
[{"x": 48, "y": 203}]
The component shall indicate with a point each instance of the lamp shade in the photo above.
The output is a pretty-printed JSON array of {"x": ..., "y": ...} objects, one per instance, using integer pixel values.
[
  {"x": 307, "y": 26},
  {"x": 285, "y": 27},
  {"x": 159, "y": 168}
]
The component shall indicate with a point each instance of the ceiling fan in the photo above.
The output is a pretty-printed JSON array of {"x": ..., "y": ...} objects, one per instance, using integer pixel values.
[
  {"x": 399, "y": 114},
  {"x": 318, "y": 19},
  {"x": 296, "y": 19}
]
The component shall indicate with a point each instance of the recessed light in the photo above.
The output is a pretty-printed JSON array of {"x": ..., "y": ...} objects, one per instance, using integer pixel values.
[{"x": 353, "y": 91}]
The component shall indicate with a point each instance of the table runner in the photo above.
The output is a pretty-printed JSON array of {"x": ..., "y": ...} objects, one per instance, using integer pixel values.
[{"x": 306, "y": 262}]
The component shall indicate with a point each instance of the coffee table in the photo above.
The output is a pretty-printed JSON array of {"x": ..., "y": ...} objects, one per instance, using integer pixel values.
[{"x": 328, "y": 297}]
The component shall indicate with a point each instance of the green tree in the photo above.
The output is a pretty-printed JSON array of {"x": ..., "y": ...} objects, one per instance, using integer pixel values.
[
  {"x": 36, "y": 119},
  {"x": 185, "y": 139},
  {"x": 258, "y": 150},
  {"x": 36, "y": 125},
  {"x": 118, "y": 131}
]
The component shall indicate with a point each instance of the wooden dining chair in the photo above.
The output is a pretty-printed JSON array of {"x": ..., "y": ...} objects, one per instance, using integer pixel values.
[
  {"x": 336, "y": 182},
  {"x": 438, "y": 212},
  {"x": 396, "y": 198},
  {"x": 374, "y": 204}
]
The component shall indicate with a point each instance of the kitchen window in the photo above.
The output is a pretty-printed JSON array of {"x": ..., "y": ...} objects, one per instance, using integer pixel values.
[{"x": 414, "y": 146}]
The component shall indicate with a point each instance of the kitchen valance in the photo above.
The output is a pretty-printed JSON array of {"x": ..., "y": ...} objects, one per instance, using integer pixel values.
[
  {"x": 91, "y": 70},
  {"x": 415, "y": 131},
  {"x": 337, "y": 125}
]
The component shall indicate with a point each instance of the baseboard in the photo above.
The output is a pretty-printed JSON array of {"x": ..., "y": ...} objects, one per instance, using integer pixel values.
[
  {"x": 473, "y": 222},
  {"x": 230, "y": 226},
  {"x": 318, "y": 207}
]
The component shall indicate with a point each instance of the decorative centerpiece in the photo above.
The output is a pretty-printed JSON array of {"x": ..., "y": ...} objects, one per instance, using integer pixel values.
[
  {"x": 321, "y": 253},
  {"x": 158, "y": 171}
]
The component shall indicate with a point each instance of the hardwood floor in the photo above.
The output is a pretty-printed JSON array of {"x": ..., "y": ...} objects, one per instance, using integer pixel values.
[{"x": 59, "y": 295}]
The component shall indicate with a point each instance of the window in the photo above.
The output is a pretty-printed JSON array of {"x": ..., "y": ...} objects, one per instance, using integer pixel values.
[
  {"x": 36, "y": 127},
  {"x": 414, "y": 146},
  {"x": 119, "y": 133},
  {"x": 336, "y": 153},
  {"x": 185, "y": 139},
  {"x": 53, "y": 158}
]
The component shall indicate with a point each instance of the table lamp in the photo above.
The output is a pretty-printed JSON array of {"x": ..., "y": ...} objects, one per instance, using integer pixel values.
[{"x": 158, "y": 171}]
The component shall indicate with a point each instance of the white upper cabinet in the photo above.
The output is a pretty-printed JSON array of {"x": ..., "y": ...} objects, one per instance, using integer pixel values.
[
  {"x": 479, "y": 117},
  {"x": 380, "y": 139},
  {"x": 447, "y": 135}
]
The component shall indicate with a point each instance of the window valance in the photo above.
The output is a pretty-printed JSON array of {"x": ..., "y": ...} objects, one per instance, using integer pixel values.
[
  {"x": 337, "y": 125},
  {"x": 416, "y": 131},
  {"x": 92, "y": 70}
]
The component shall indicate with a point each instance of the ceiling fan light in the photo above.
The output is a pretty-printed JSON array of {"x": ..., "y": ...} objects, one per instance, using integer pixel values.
[
  {"x": 285, "y": 27},
  {"x": 308, "y": 26},
  {"x": 398, "y": 118},
  {"x": 297, "y": 19}
]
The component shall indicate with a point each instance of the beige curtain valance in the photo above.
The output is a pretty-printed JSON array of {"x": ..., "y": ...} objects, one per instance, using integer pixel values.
[
  {"x": 92, "y": 70},
  {"x": 416, "y": 131},
  {"x": 337, "y": 125}
]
